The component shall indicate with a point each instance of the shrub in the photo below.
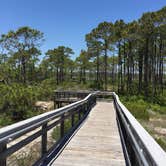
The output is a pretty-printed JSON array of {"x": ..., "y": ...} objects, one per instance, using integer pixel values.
[
  {"x": 5, "y": 120},
  {"x": 45, "y": 89},
  {"x": 18, "y": 101},
  {"x": 157, "y": 108},
  {"x": 138, "y": 108}
]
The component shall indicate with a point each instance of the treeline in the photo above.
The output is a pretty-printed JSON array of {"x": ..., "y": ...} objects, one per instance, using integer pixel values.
[
  {"x": 129, "y": 56},
  {"x": 141, "y": 50},
  {"x": 125, "y": 57}
]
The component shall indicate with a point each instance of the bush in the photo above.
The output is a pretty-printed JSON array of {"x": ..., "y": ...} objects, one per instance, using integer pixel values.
[
  {"x": 161, "y": 100},
  {"x": 137, "y": 106},
  {"x": 157, "y": 108},
  {"x": 18, "y": 101},
  {"x": 5, "y": 120},
  {"x": 45, "y": 89},
  {"x": 139, "y": 110}
]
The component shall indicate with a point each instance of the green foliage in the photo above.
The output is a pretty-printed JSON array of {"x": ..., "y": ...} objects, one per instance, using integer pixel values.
[
  {"x": 137, "y": 106},
  {"x": 159, "y": 99},
  {"x": 18, "y": 101},
  {"x": 161, "y": 142},
  {"x": 138, "y": 109},
  {"x": 122, "y": 55},
  {"x": 22, "y": 48},
  {"x": 5, "y": 119},
  {"x": 96, "y": 85},
  {"x": 56, "y": 130},
  {"x": 158, "y": 108},
  {"x": 56, "y": 133},
  {"x": 45, "y": 89}
]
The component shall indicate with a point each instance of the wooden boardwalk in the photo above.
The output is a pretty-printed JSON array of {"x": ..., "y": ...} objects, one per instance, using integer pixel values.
[{"x": 97, "y": 142}]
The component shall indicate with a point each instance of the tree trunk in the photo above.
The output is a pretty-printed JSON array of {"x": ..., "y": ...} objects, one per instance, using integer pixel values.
[
  {"x": 105, "y": 66},
  {"x": 146, "y": 67},
  {"x": 97, "y": 74}
]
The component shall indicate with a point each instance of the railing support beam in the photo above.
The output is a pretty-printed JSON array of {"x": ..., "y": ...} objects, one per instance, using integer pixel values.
[
  {"x": 72, "y": 120},
  {"x": 2, "y": 159},
  {"x": 44, "y": 139},
  {"x": 62, "y": 126}
]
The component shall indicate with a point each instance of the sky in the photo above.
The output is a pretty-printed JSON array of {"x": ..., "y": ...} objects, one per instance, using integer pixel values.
[{"x": 65, "y": 22}]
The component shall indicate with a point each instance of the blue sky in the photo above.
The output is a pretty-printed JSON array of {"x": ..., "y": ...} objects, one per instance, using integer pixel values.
[{"x": 65, "y": 22}]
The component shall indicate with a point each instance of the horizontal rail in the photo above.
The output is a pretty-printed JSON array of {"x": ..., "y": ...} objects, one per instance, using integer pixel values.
[
  {"x": 69, "y": 94},
  {"x": 139, "y": 147},
  {"x": 67, "y": 97},
  {"x": 41, "y": 122}
]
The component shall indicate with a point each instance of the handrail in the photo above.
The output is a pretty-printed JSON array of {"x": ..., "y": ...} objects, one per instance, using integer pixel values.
[
  {"x": 69, "y": 94},
  {"x": 68, "y": 97},
  {"x": 10, "y": 133},
  {"x": 138, "y": 145}
]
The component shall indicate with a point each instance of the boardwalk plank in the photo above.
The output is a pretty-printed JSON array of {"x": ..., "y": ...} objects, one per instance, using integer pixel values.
[{"x": 97, "y": 143}]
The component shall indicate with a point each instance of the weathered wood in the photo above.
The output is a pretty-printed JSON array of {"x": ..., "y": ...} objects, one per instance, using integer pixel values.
[
  {"x": 12, "y": 132},
  {"x": 72, "y": 120},
  {"x": 62, "y": 126},
  {"x": 2, "y": 159},
  {"x": 97, "y": 142},
  {"x": 67, "y": 97},
  {"x": 44, "y": 139}
]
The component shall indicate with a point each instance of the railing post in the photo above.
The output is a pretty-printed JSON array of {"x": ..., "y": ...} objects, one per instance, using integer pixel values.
[
  {"x": 72, "y": 120},
  {"x": 2, "y": 159},
  {"x": 88, "y": 105},
  {"x": 55, "y": 96},
  {"x": 85, "y": 107},
  {"x": 62, "y": 126},
  {"x": 59, "y": 104},
  {"x": 44, "y": 139},
  {"x": 79, "y": 113}
]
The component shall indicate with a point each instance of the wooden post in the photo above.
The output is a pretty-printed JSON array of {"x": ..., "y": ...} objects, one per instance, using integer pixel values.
[
  {"x": 58, "y": 104},
  {"x": 62, "y": 126},
  {"x": 44, "y": 139},
  {"x": 2, "y": 159},
  {"x": 84, "y": 108},
  {"x": 72, "y": 120},
  {"x": 55, "y": 96},
  {"x": 79, "y": 113}
]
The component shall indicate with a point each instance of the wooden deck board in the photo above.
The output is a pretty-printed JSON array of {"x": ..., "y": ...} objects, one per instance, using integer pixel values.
[{"x": 97, "y": 143}]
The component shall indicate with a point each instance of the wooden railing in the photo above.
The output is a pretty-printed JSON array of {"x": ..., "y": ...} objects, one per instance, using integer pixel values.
[
  {"x": 68, "y": 97},
  {"x": 45, "y": 122},
  {"x": 140, "y": 149},
  {"x": 59, "y": 94}
]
